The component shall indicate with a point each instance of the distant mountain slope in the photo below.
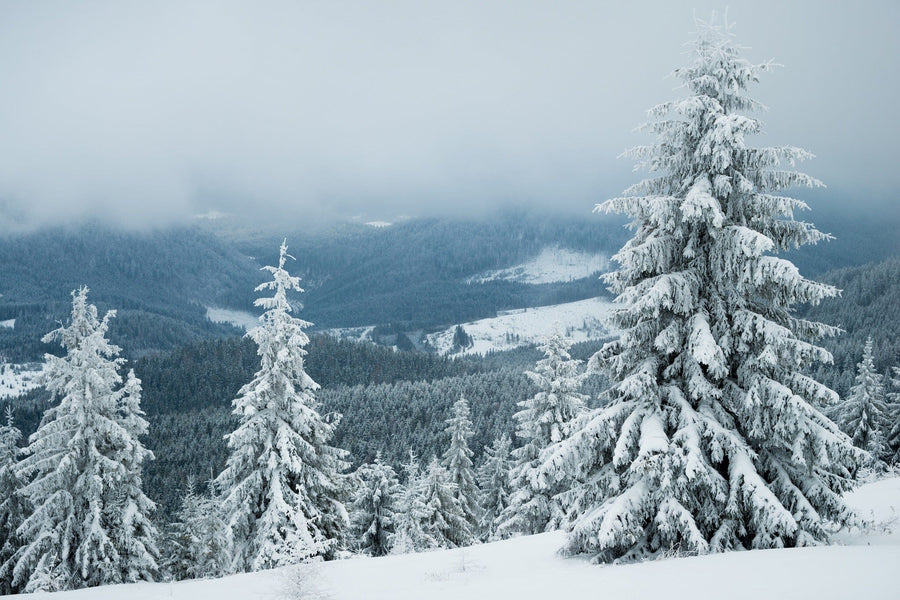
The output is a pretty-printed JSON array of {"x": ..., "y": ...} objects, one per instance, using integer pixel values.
[
  {"x": 580, "y": 321},
  {"x": 868, "y": 306},
  {"x": 859, "y": 237},
  {"x": 552, "y": 265},
  {"x": 415, "y": 272},
  {"x": 158, "y": 281}
]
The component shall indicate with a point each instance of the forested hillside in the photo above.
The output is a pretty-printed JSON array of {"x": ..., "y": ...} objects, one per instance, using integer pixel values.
[
  {"x": 408, "y": 276},
  {"x": 858, "y": 238},
  {"x": 411, "y": 275},
  {"x": 391, "y": 401},
  {"x": 413, "y": 272},
  {"x": 868, "y": 306},
  {"x": 157, "y": 281}
]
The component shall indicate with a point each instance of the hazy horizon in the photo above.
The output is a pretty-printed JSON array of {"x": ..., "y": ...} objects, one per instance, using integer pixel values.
[{"x": 150, "y": 114}]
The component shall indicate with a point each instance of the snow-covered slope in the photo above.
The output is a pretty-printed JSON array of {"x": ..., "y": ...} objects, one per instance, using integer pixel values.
[
  {"x": 529, "y": 568},
  {"x": 580, "y": 321},
  {"x": 553, "y": 264},
  {"x": 15, "y": 380},
  {"x": 238, "y": 318}
]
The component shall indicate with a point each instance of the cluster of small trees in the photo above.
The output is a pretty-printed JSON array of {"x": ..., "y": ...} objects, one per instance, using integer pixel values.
[
  {"x": 870, "y": 414},
  {"x": 450, "y": 503}
]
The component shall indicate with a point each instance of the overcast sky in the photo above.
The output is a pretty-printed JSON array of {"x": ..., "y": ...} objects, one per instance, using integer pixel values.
[{"x": 146, "y": 112}]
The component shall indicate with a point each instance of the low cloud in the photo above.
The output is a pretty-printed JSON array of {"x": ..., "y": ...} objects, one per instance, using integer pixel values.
[{"x": 149, "y": 113}]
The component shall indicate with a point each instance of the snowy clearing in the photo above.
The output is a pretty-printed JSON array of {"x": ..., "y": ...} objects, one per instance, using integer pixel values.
[
  {"x": 361, "y": 334},
  {"x": 580, "y": 321},
  {"x": 552, "y": 265},
  {"x": 238, "y": 318},
  {"x": 379, "y": 224},
  {"x": 529, "y": 568},
  {"x": 8, "y": 323},
  {"x": 15, "y": 380}
]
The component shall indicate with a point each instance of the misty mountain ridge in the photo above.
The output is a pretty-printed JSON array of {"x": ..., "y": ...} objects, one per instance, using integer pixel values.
[{"x": 415, "y": 275}]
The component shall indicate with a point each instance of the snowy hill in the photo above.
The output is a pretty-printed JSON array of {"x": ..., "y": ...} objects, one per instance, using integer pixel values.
[
  {"x": 552, "y": 265},
  {"x": 239, "y": 318},
  {"x": 529, "y": 568},
  {"x": 15, "y": 380},
  {"x": 580, "y": 321}
]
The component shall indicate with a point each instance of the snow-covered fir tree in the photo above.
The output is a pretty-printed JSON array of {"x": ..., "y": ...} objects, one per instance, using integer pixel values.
[
  {"x": 863, "y": 413},
  {"x": 444, "y": 521},
  {"x": 544, "y": 419},
  {"x": 708, "y": 440},
  {"x": 91, "y": 522},
  {"x": 199, "y": 540},
  {"x": 12, "y": 505},
  {"x": 374, "y": 503},
  {"x": 892, "y": 439},
  {"x": 132, "y": 530},
  {"x": 411, "y": 515},
  {"x": 458, "y": 461},
  {"x": 494, "y": 483},
  {"x": 282, "y": 484}
]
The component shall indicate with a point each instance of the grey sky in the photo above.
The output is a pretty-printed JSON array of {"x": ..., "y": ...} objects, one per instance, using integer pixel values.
[{"x": 152, "y": 111}]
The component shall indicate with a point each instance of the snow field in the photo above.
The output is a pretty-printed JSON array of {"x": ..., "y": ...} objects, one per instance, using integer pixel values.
[
  {"x": 552, "y": 265},
  {"x": 238, "y": 318},
  {"x": 579, "y": 321},
  {"x": 16, "y": 380},
  {"x": 530, "y": 568}
]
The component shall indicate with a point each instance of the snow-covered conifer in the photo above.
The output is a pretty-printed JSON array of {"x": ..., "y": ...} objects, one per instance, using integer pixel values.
[
  {"x": 709, "y": 440},
  {"x": 181, "y": 538},
  {"x": 410, "y": 517},
  {"x": 374, "y": 504},
  {"x": 892, "y": 427},
  {"x": 282, "y": 483},
  {"x": 458, "y": 461},
  {"x": 90, "y": 524},
  {"x": 131, "y": 528},
  {"x": 863, "y": 414},
  {"x": 444, "y": 521},
  {"x": 544, "y": 419},
  {"x": 12, "y": 505},
  {"x": 199, "y": 541},
  {"x": 494, "y": 482}
]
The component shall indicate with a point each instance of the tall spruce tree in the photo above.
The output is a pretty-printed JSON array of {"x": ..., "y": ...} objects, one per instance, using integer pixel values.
[
  {"x": 458, "y": 461},
  {"x": 709, "y": 440},
  {"x": 91, "y": 521},
  {"x": 544, "y": 419},
  {"x": 372, "y": 520},
  {"x": 13, "y": 507},
  {"x": 282, "y": 483},
  {"x": 863, "y": 414}
]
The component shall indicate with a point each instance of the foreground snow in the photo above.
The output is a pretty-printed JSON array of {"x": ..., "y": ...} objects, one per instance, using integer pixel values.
[
  {"x": 529, "y": 568},
  {"x": 579, "y": 321}
]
